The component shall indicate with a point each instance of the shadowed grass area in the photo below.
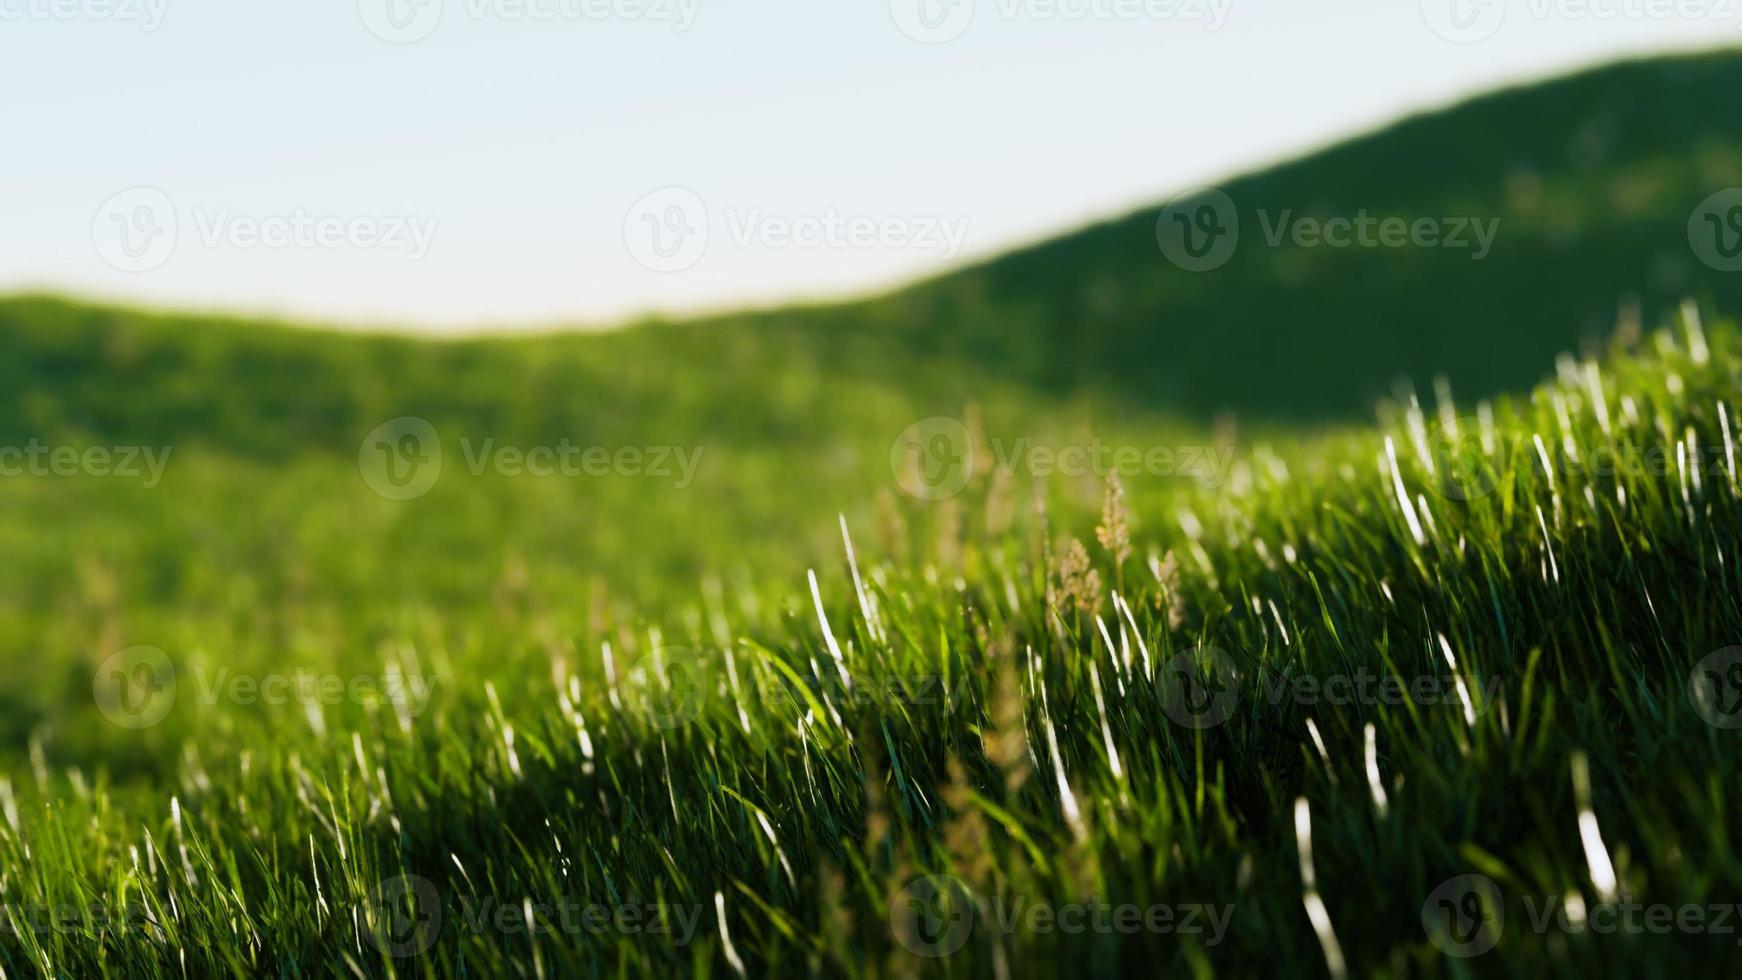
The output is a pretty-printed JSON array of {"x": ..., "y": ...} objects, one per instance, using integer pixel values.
[{"x": 1463, "y": 645}]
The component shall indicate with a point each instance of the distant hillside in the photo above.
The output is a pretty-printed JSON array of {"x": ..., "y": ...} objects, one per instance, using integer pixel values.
[{"x": 1592, "y": 178}]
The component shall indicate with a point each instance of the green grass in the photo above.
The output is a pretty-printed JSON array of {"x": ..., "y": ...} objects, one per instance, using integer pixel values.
[
  {"x": 375, "y": 698},
  {"x": 729, "y": 766}
]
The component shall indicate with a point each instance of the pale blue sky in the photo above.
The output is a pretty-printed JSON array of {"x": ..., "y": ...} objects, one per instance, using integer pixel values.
[{"x": 489, "y": 173}]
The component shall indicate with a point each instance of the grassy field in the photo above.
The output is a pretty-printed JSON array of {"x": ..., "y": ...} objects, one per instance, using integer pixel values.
[
  {"x": 1482, "y": 655},
  {"x": 1068, "y": 612}
]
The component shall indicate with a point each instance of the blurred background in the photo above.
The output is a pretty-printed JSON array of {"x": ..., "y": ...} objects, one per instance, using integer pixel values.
[{"x": 521, "y": 135}]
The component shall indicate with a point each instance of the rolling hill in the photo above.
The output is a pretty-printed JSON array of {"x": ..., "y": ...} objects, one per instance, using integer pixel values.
[
  {"x": 1592, "y": 178},
  {"x": 625, "y": 692}
]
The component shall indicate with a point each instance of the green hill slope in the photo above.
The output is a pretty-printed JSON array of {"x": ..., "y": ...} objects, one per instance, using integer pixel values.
[{"x": 1593, "y": 179}]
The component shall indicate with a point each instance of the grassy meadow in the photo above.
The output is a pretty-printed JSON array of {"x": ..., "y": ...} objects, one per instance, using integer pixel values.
[{"x": 1068, "y": 612}]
